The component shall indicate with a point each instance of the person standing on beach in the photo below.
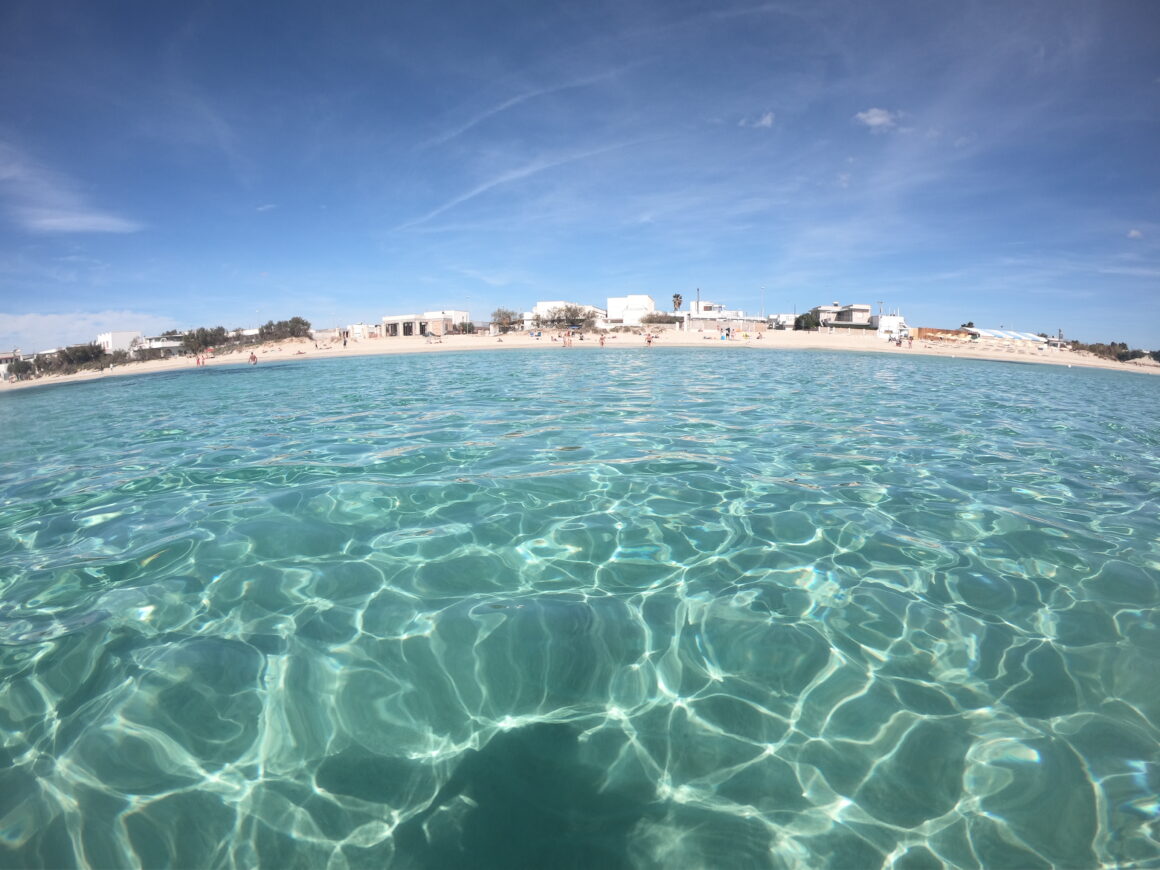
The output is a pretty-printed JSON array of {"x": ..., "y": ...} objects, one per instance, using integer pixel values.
[
  {"x": 602, "y": 339},
  {"x": 253, "y": 359}
]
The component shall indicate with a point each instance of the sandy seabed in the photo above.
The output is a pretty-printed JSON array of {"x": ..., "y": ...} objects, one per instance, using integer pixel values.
[{"x": 769, "y": 340}]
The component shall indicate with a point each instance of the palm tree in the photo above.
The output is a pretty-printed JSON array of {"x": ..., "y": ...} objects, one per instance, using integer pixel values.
[{"x": 677, "y": 300}]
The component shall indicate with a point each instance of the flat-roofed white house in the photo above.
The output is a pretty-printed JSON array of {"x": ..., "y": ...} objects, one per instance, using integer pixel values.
[
  {"x": 114, "y": 341},
  {"x": 890, "y": 326},
  {"x": 857, "y": 314},
  {"x": 428, "y": 323},
  {"x": 168, "y": 344},
  {"x": 6, "y": 357},
  {"x": 628, "y": 310},
  {"x": 782, "y": 321},
  {"x": 704, "y": 310},
  {"x": 403, "y": 325},
  {"x": 447, "y": 320},
  {"x": 363, "y": 330}
]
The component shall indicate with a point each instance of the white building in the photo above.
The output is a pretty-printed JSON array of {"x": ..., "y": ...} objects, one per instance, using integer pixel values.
[
  {"x": 451, "y": 318},
  {"x": 404, "y": 325},
  {"x": 782, "y": 321},
  {"x": 890, "y": 326},
  {"x": 700, "y": 310},
  {"x": 113, "y": 341},
  {"x": 842, "y": 315},
  {"x": 7, "y": 357},
  {"x": 428, "y": 323},
  {"x": 170, "y": 344},
  {"x": 363, "y": 330},
  {"x": 628, "y": 310}
]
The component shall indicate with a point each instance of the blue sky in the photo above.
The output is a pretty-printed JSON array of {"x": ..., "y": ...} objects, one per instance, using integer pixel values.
[{"x": 179, "y": 165}]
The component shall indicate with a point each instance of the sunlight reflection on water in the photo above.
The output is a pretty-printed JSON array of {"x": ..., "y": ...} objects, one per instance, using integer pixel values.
[{"x": 640, "y": 609}]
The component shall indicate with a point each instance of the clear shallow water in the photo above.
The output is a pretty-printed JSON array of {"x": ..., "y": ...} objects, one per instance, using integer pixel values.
[{"x": 583, "y": 608}]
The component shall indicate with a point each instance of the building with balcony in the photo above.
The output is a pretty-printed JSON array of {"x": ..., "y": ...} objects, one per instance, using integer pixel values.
[{"x": 836, "y": 314}]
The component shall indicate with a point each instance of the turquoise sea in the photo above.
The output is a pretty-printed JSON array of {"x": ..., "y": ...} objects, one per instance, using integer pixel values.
[{"x": 582, "y": 608}]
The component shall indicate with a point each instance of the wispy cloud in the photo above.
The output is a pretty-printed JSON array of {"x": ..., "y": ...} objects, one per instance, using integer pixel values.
[
  {"x": 530, "y": 169},
  {"x": 44, "y": 201},
  {"x": 878, "y": 119},
  {"x": 764, "y": 121},
  {"x": 1135, "y": 234},
  {"x": 267, "y": 207},
  {"x": 480, "y": 117}
]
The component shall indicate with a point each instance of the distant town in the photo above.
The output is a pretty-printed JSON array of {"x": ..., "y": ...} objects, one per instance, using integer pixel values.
[{"x": 632, "y": 312}]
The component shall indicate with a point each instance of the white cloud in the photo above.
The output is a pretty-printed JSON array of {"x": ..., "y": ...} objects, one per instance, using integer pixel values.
[
  {"x": 43, "y": 201},
  {"x": 878, "y": 119},
  {"x": 36, "y": 332},
  {"x": 763, "y": 122},
  {"x": 1135, "y": 234},
  {"x": 267, "y": 207}
]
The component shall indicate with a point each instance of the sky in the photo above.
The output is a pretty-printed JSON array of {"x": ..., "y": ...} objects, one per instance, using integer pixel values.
[{"x": 175, "y": 165}]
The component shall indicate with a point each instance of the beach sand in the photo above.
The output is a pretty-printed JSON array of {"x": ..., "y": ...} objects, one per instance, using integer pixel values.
[{"x": 770, "y": 340}]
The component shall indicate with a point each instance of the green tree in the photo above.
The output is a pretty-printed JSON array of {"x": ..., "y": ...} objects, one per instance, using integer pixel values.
[
  {"x": 505, "y": 319},
  {"x": 658, "y": 317},
  {"x": 970, "y": 324},
  {"x": 295, "y": 327},
  {"x": 22, "y": 369},
  {"x": 71, "y": 359},
  {"x": 201, "y": 339},
  {"x": 82, "y": 356},
  {"x": 271, "y": 331},
  {"x": 809, "y": 320},
  {"x": 568, "y": 316},
  {"x": 678, "y": 299}
]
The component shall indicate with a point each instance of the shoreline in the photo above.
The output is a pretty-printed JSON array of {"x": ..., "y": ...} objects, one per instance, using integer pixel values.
[{"x": 771, "y": 340}]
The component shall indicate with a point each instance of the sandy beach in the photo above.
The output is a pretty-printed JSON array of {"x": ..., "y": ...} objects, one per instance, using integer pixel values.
[{"x": 770, "y": 340}]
